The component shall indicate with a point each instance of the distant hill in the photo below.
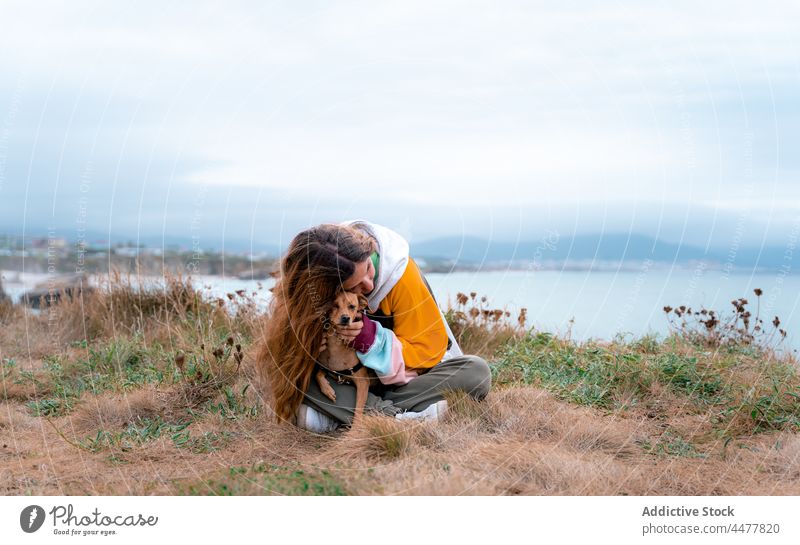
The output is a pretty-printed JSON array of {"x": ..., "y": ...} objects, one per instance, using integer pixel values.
[
  {"x": 472, "y": 251},
  {"x": 618, "y": 247}
]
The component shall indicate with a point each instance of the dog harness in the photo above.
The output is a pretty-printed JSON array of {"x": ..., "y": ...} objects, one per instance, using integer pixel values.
[{"x": 341, "y": 376}]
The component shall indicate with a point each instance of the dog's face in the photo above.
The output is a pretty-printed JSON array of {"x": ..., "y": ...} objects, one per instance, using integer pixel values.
[{"x": 346, "y": 308}]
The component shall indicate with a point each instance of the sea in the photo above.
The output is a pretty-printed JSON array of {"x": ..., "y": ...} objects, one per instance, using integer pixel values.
[{"x": 582, "y": 304}]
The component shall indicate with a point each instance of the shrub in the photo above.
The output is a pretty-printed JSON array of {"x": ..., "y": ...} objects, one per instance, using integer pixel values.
[
  {"x": 706, "y": 328},
  {"x": 479, "y": 329}
]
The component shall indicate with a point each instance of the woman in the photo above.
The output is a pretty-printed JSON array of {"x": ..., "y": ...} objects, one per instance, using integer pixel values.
[{"x": 403, "y": 336}]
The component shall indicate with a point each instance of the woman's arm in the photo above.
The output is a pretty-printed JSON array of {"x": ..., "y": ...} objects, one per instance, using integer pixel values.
[{"x": 418, "y": 340}]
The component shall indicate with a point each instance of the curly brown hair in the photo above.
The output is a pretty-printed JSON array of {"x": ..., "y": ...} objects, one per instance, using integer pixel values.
[{"x": 313, "y": 269}]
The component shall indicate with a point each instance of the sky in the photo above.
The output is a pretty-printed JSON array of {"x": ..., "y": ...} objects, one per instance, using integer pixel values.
[{"x": 243, "y": 122}]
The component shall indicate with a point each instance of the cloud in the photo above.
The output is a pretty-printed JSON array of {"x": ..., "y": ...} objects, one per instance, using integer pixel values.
[{"x": 404, "y": 105}]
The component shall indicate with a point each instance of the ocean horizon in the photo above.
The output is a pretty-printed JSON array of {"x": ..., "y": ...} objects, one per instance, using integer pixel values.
[{"x": 582, "y": 304}]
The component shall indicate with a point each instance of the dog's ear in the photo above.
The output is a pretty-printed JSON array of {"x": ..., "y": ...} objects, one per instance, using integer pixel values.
[{"x": 362, "y": 302}]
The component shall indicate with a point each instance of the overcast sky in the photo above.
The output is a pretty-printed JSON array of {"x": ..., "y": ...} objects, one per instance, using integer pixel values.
[{"x": 249, "y": 121}]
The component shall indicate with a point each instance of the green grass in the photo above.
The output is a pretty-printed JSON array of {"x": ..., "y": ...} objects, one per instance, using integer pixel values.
[
  {"x": 233, "y": 405},
  {"x": 207, "y": 442},
  {"x": 743, "y": 389},
  {"x": 586, "y": 375},
  {"x": 671, "y": 444},
  {"x": 124, "y": 365},
  {"x": 119, "y": 365},
  {"x": 51, "y": 406},
  {"x": 134, "y": 435},
  {"x": 7, "y": 368},
  {"x": 268, "y": 479},
  {"x": 776, "y": 408},
  {"x": 140, "y": 432},
  {"x": 682, "y": 374}
]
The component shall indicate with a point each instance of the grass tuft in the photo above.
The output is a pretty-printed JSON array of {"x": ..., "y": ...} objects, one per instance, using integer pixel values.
[{"x": 270, "y": 480}]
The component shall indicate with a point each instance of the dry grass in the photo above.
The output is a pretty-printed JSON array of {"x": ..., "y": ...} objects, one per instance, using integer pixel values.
[
  {"x": 729, "y": 392},
  {"x": 113, "y": 412},
  {"x": 124, "y": 305},
  {"x": 161, "y": 400},
  {"x": 482, "y": 330},
  {"x": 8, "y": 311},
  {"x": 548, "y": 448},
  {"x": 170, "y": 312}
]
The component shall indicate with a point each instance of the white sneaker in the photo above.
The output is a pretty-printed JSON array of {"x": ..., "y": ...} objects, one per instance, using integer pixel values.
[
  {"x": 431, "y": 414},
  {"x": 312, "y": 420}
]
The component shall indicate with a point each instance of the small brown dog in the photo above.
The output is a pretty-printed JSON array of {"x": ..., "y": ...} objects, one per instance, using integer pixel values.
[{"x": 338, "y": 360}]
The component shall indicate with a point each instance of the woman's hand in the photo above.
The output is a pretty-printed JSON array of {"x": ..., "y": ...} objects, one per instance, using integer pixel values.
[{"x": 349, "y": 332}]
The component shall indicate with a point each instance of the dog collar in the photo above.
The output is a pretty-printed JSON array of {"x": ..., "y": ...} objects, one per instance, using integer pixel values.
[{"x": 341, "y": 376}]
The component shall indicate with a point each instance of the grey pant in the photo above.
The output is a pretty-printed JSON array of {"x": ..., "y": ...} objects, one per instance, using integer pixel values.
[{"x": 470, "y": 374}]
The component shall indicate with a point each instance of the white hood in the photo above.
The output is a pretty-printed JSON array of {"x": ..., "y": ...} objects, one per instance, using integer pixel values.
[{"x": 393, "y": 250}]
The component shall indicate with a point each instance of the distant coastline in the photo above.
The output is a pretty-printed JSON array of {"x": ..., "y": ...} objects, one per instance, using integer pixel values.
[{"x": 598, "y": 253}]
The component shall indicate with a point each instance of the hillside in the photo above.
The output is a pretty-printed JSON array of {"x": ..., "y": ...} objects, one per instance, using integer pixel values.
[{"x": 154, "y": 392}]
